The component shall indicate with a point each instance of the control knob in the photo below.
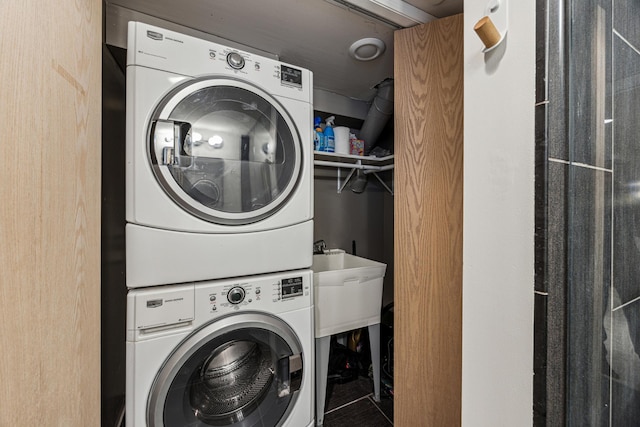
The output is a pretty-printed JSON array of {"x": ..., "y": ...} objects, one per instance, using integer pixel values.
[
  {"x": 236, "y": 295},
  {"x": 235, "y": 60}
]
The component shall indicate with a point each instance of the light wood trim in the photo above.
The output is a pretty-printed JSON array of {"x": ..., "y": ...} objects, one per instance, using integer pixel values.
[
  {"x": 428, "y": 224},
  {"x": 50, "y": 91}
]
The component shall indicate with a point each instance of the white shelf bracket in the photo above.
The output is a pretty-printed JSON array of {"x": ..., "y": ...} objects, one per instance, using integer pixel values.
[
  {"x": 384, "y": 184},
  {"x": 346, "y": 180},
  {"x": 354, "y": 163}
]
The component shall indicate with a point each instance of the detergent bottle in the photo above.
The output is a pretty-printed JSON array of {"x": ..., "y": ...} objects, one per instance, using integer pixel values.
[
  {"x": 329, "y": 136},
  {"x": 318, "y": 136}
]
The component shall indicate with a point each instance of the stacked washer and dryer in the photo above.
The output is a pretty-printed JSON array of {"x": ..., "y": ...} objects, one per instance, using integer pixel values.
[{"x": 219, "y": 206}]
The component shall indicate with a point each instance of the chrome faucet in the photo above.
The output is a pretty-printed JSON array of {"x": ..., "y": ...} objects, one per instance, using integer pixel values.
[{"x": 319, "y": 247}]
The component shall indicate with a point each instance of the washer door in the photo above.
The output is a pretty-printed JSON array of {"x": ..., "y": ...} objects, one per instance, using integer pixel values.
[
  {"x": 225, "y": 151},
  {"x": 241, "y": 370}
]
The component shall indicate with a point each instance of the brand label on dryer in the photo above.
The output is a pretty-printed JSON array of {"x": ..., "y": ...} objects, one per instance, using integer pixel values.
[{"x": 153, "y": 35}]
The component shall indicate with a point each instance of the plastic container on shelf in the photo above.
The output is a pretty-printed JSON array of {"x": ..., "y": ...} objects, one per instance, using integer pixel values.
[
  {"x": 329, "y": 136},
  {"x": 347, "y": 291},
  {"x": 318, "y": 136},
  {"x": 342, "y": 139}
]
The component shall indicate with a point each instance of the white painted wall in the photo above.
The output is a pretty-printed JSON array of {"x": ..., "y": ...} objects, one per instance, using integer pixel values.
[{"x": 498, "y": 272}]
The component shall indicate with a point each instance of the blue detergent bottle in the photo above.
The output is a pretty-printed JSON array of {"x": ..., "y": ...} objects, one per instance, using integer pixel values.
[
  {"x": 318, "y": 136},
  {"x": 329, "y": 136}
]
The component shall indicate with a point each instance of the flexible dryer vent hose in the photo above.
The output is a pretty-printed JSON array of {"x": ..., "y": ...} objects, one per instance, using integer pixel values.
[{"x": 379, "y": 114}]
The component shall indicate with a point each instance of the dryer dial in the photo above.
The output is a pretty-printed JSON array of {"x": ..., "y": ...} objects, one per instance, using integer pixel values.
[
  {"x": 235, "y": 60},
  {"x": 236, "y": 295}
]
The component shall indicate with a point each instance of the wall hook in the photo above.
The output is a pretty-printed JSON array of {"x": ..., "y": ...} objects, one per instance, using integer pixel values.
[{"x": 492, "y": 28}]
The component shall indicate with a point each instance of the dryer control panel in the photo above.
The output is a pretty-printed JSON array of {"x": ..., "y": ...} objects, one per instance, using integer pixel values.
[{"x": 185, "y": 55}]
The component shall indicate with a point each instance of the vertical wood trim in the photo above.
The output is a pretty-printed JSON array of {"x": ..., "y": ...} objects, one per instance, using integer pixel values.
[
  {"x": 50, "y": 91},
  {"x": 428, "y": 223}
]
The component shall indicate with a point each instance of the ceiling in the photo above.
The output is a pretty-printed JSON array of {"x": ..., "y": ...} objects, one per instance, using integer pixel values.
[{"x": 314, "y": 34}]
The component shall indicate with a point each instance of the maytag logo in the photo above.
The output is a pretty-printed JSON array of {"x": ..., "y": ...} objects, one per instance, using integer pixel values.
[
  {"x": 153, "y": 35},
  {"x": 154, "y": 303}
]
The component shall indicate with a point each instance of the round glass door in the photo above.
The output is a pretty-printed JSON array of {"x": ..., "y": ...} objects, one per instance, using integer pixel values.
[
  {"x": 242, "y": 373},
  {"x": 225, "y": 151}
]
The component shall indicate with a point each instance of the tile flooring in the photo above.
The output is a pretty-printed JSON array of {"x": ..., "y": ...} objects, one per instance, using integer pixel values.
[{"x": 351, "y": 405}]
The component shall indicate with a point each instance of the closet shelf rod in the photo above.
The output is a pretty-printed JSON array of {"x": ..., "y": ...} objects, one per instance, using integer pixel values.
[{"x": 366, "y": 168}]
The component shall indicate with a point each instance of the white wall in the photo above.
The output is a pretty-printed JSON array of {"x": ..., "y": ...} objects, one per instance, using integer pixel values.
[{"x": 498, "y": 272}]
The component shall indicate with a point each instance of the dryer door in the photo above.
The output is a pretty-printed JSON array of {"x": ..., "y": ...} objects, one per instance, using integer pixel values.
[
  {"x": 225, "y": 151},
  {"x": 241, "y": 370}
]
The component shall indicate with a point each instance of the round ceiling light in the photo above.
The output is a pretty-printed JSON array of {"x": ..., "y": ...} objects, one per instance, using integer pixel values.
[{"x": 367, "y": 49}]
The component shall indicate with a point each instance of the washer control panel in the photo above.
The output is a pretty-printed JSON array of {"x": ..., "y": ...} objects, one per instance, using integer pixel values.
[{"x": 274, "y": 293}]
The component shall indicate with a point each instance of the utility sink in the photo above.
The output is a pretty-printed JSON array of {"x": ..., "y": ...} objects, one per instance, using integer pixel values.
[{"x": 347, "y": 291}]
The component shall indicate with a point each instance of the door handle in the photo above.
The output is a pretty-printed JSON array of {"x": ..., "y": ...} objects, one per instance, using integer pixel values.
[
  {"x": 171, "y": 141},
  {"x": 289, "y": 375}
]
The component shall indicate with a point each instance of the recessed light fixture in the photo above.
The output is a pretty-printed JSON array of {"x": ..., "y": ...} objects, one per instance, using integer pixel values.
[{"x": 367, "y": 49}]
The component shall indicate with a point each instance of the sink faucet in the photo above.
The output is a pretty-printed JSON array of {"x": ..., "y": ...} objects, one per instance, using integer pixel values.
[{"x": 319, "y": 247}]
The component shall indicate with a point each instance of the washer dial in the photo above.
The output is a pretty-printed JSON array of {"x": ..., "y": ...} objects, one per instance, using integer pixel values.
[{"x": 236, "y": 295}]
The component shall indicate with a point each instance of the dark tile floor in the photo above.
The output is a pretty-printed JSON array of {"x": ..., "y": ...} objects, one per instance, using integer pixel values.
[{"x": 351, "y": 405}]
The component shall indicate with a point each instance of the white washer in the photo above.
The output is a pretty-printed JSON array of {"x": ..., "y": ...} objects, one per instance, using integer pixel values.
[
  {"x": 219, "y": 174},
  {"x": 225, "y": 353}
]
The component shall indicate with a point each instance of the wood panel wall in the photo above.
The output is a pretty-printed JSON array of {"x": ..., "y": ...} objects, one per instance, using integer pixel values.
[
  {"x": 50, "y": 93},
  {"x": 428, "y": 224}
]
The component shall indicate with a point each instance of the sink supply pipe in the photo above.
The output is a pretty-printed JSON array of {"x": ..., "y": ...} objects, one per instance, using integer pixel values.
[{"x": 379, "y": 114}]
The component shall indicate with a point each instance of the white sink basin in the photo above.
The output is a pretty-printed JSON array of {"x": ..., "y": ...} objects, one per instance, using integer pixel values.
[{"x": 347, "y": 290}]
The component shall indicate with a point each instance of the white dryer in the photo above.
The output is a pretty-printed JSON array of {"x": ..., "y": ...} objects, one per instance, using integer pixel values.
[
  {"x": 232, "y": 352},
  {"x": 219, "y": 174}
]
